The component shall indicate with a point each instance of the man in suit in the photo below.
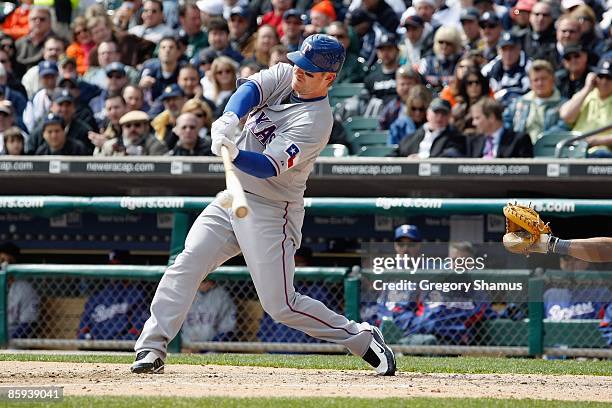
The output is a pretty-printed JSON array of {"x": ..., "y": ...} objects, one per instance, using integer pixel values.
[
  {"x": 436, "y": 138},
  {"x": 495, "y": 141}
]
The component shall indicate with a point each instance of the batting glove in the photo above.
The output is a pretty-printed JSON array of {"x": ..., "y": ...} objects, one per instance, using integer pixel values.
[
  {"x": 226, "y": 125},
  {"x": 221, "y": 140}
]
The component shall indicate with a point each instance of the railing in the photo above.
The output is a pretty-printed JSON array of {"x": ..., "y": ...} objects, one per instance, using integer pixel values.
[{"x": 564, "y": 143}]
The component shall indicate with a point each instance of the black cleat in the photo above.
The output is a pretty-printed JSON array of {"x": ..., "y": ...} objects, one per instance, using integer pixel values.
[
  {"x": 379, "y": 355},
  {"x": 147, "y": 362}
]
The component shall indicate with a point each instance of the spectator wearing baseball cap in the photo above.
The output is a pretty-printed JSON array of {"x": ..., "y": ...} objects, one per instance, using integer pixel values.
[
  {"x": 491, "y": 30},
  {"x": 436, "y": 138},
  {"x": 520, "y": 14},
  {"x": 380, "y": 83},
  {"x": 136, "y": 138},
  {"x": 507, "y": 72},
  {"x": 572, "y": 77},
  {"x": 321, "y": 15},
  {"x": 418, "y": 40},
  {"x": 64, "y": 106},
  {"x": 40, "y": 104},
  {"x": 540, "y": 40},
  {"x": 500, "y": 11},
  {"x": 469, "y": 19},
  {"x": 241, "y": 30},
  {"x": 83, "y": 111},
  {"x": 173, "y": 100},
  {"x": 364, "y": 24},
  {"x": 293, "y": 30},
  {"x": 116, "y": 74},
  {"x": 591, "y": 107},
  {"x": 55, "y": 140}
]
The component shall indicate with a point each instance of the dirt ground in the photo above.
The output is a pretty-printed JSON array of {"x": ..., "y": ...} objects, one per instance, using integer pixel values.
[{"x": 201, "y": 381}]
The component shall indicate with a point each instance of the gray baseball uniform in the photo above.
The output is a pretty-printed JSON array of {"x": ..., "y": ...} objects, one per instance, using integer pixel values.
[{"x": 291, "y": 133}]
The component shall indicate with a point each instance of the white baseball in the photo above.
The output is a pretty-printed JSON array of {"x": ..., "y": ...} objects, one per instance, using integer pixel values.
[{"x": 225, "y": 199}]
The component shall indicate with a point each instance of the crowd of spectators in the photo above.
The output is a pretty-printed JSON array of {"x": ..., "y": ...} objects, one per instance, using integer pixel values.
[{"x": 149, "y": 77}]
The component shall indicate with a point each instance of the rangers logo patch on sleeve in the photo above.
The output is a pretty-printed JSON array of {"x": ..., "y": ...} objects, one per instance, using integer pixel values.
[{"x": 292, "y": 151}]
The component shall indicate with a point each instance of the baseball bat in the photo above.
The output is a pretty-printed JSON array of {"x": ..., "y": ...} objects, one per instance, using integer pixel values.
[{"x": 239, "y": 203}]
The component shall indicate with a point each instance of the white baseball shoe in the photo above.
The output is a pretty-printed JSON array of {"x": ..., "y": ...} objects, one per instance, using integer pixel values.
[
  {"x": 379, "y": 355},
  {"x": 147, "y": 362}
]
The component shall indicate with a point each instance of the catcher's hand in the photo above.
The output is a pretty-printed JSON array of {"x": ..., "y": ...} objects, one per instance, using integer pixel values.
[{"x": 525, "y": 230}]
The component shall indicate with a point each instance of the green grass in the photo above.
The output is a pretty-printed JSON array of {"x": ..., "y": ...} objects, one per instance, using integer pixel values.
[
  {"x": 460, "y": 365},
  {"x": 217, "y": 402}
]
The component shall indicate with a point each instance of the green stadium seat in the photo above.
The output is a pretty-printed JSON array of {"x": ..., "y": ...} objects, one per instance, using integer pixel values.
[
  {"x": 335, "y": 150},
  {"x": 343, "y": 91},
  {"x": 369, "y": 138},
  {"x": 547, "y": 141},
  {"x": 359, "y": 123},
  {"x": 376, "y": 151}
]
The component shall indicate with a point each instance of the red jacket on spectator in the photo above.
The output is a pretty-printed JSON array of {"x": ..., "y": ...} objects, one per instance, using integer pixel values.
[{"x": 16, "y": 24}]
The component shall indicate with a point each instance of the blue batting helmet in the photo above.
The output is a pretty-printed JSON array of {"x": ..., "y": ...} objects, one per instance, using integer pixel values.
[{"x": 319, "y": 53}]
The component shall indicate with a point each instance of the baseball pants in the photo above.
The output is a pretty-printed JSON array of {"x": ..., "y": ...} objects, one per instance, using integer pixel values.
[{"x": 268, "y": 238}]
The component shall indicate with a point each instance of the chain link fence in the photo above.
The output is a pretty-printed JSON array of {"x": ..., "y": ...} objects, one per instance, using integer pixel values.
[
  {"x": 105, "y": 307},
  {"x": 563, "y": 314},
  {"x": 94, "y": 311}
]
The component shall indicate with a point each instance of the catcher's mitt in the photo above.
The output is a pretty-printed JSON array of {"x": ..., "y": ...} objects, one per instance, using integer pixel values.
[{"x": 525, "y": 230}]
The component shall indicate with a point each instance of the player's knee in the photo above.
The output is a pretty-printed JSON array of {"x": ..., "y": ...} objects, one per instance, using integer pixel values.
[{"x": 279, "y": 313}]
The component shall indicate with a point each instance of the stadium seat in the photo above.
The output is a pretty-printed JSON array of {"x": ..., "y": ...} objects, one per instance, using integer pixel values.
[
  {"x": 369, "y": 138},
  {"x": 376, "y": 151},
  {"x": 359, "y": 123},
  {"x": 335, "y": 150},
  {"x": 547, "y": 142},
  {"x": 340, "y": 92}
]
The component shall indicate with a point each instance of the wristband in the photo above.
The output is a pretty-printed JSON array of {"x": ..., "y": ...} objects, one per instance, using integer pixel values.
[{"x": 559, "y": 246}]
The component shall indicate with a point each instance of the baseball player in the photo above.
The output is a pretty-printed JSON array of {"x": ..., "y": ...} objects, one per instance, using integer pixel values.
[{"x": 289, "y": 120}]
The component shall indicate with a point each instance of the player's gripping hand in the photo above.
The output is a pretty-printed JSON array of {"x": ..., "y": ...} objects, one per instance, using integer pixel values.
[
  {"x": 222, "y": 140},
  {"x": 222, "y": 132}
]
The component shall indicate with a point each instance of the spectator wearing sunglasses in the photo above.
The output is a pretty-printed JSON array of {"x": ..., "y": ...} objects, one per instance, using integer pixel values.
[
  {"x": 490, "y": 31},
  {"x": 572, "y": 77},
  {"x": 136, "y": 138},
  {"x": 16, "y": 69},
  {"x": 438, "y": 69},
  {"x": 412, "y": 117},
  {"x": 30, "y": 47},
  {"x": 591, "y": 107}
]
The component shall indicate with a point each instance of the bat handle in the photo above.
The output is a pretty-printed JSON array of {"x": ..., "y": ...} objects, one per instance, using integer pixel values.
[{"x": 239, "y": 203}]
